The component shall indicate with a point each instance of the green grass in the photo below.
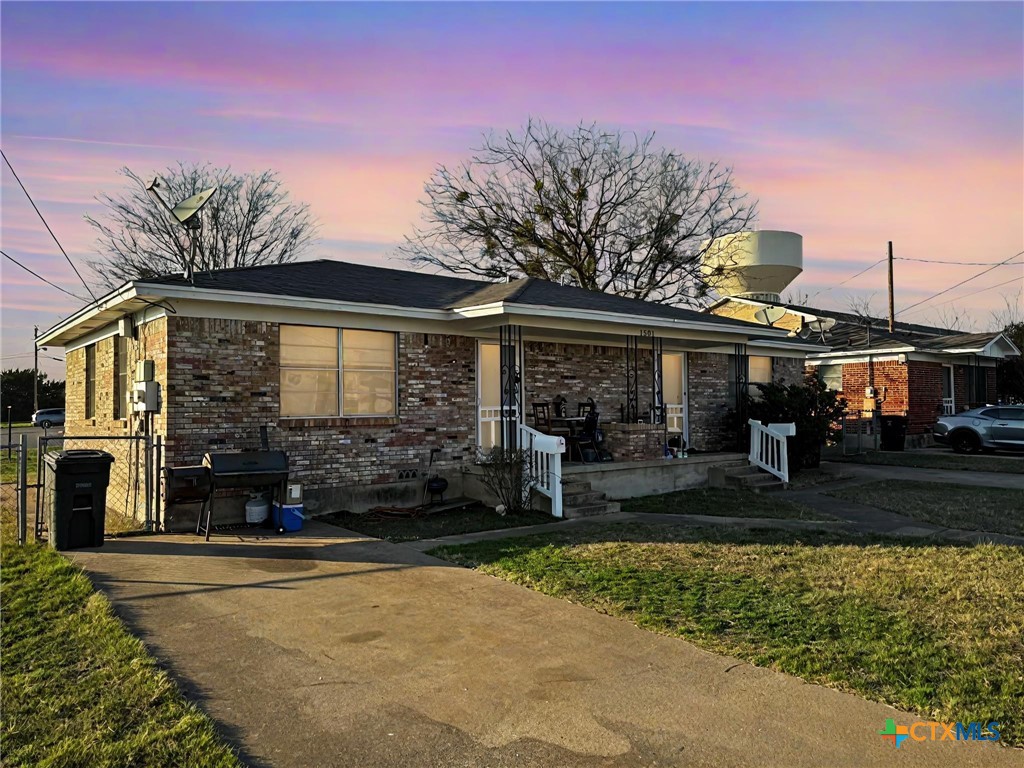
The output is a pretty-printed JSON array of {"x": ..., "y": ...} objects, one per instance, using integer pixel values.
[
  {"x": 937, "y": 630},
  {"x": 78, "y": 689},
  {"x": 433, "y": 526},
  {"x": 972, "y": 508},
  {"x": 726, "y": 502},
  {"x": 931, "y": 460},
  {"x": 9, "y": 466}
]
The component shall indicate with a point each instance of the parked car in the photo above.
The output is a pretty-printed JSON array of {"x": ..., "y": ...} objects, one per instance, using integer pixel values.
[
  {"x": 48, "y": 417},
  {"x": 987, "y": 428}
]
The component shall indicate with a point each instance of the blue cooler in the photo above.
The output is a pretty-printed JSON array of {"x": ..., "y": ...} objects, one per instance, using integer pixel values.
[{"x": 289, "y": 517}]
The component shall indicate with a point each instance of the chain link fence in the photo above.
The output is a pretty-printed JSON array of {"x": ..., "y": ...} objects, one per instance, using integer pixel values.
[
  {"x": 133, "y": 499},
  {"x": 14, "y": 488},
  {"x": 861, "y": 432}
]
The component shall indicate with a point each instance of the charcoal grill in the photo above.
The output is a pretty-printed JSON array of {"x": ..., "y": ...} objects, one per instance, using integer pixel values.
[
  {"x": 184, "y": 485},
  {"x": 247, "y": 469}
]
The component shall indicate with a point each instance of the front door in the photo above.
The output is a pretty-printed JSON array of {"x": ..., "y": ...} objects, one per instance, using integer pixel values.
[
  {"x": 490, "y": 383},
  {"x": 674, "y": 395}
]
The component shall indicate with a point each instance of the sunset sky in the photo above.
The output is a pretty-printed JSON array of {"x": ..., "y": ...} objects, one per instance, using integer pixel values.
[{"x": 853, "y": 124}]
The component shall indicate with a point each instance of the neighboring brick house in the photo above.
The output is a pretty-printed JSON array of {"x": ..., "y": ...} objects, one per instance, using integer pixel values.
[
  {"x": 918, "y": 371},
  {"x": 359, "y": 372}
]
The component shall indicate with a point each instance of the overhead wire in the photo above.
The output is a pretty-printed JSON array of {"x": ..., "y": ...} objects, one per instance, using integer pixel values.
[
  {"x": 40, "y": 277},
  {"x": 45, "y": 224},
  {"x": 958, "y": 263},
  {"x": 844, "y": 282},
  {"x": 962, "y": 282},
  {"x": 972, "y": 293}
]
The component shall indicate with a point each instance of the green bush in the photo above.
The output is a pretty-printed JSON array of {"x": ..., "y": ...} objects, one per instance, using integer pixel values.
[{"x": 816, "y": 410}]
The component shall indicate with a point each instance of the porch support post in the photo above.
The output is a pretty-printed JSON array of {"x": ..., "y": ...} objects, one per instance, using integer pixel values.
[
  {"x": 510, "y": 339},
  {"x": 657, "y": 393},
  {"x": 740, "y": 350},
  {"x": 632, "y": 378}
]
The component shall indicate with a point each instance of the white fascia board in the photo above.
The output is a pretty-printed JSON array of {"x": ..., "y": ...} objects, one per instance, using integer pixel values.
[
  {"x": 614, "y": 318},
  {"x": 296, "y": 302},
  {"x": 851, "y": 360},
  {"x": 109, "y": 302},
  {"x": 872, "y": 353},
  {"x": 801, "y": 350}
]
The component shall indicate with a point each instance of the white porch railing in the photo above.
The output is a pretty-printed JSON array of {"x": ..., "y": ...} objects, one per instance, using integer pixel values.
[
  {"x": 545, "y": 464},
  {"x": 947, "y": 406},
  {"x": 768, "y": 448},
  {"x": 490, "y": 425},
  {"x": 674, "y": 417}
]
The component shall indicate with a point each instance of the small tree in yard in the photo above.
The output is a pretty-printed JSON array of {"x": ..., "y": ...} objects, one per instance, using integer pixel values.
[
  {"x": 595, "y": 208},
  {"x": 815, "y": 409},
  {"x": 508, "y": 474}
]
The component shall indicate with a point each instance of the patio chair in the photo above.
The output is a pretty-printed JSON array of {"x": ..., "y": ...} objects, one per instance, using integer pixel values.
[
  {"x": 542, "y": 417},
  {"x": 586, "y": 437},
  {"x": 583, "y": 409}
]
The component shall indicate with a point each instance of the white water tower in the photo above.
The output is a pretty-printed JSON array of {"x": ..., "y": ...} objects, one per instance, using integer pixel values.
[{"x": 754, "y": 265}]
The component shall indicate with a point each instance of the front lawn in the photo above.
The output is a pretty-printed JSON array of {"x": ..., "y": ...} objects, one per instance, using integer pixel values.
[
  {"x": 725, "y": 502},
  {"x": 78, "y": 689},
  {"x": 935, "y": 460},
  {"x": 972, "y": 508},
  {"x": 9, "y": 466},
  {"x": 399, "y": 529},
  {"x": 937, "y": 630}
]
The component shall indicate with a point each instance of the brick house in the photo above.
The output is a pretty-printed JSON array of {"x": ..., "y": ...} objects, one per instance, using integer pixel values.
[
  {"x": 918, "y": 371},
  {"x": 358, "y": 372}
]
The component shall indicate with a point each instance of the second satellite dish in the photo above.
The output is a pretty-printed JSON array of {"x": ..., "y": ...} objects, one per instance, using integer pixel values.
[{"x": 770, "y": 315}]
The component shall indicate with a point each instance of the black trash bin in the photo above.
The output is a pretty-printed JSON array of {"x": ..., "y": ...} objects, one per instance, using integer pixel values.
[
  {"x": 894, "y": 433},
  {"x": 75, "y": 497}
]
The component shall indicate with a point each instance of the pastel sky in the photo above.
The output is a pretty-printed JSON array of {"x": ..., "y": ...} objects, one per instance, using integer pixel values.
[{"x": 853, "y": 124}]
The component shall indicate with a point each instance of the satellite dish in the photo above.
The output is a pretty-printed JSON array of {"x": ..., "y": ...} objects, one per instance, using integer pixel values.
[
  {"x": 186, "y": 210},
  {"x": 769, "y": 315},
  {"x": 821, "y": 325},
  {"x": 186, "y": 213}
]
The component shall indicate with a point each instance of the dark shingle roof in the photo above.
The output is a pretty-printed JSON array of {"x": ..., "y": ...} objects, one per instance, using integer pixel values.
[{"x": 344, "y": 281}]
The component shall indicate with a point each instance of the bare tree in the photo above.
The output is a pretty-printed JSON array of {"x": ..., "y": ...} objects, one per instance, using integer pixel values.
[
  {"x": 1011, "y": 313},
  {"x": 951, "y": 318},
  {"x": 861, "y": 307},
  {"x": 250, "y": 221},
  {"x": 595, "y": 208}
]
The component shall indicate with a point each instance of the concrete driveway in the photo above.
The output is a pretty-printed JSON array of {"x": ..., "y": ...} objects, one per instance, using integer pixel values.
[{"x": 333, "y": 649}]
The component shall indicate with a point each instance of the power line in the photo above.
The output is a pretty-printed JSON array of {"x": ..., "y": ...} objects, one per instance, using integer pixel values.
[
  {"x": 958, "y": 263},
  {"x": 972, "y": 293},
  {"x": 45, "y": 224},
  {"x": 35, "y": 274},
  {"x": 885, "y": 258},
  {"x": 969, "y": 279}
]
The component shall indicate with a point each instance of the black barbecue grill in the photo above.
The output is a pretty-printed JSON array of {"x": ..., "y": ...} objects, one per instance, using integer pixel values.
[
  {"x": 184, "y": 485},
  {"x": 248, "y": 469}
]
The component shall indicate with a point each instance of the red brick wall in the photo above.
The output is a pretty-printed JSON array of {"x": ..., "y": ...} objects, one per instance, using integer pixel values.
[
  {"x": 225, "y": 383},
  {"x": 890, "y": 375},
  {"x": 579, "y": 371},
  {"x": 926, "y": 395},
  {"x": 708, "y": 388}
]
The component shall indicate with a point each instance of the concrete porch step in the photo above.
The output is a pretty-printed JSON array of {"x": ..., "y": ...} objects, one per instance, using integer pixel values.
[
  {"x": 575, "y": 486},
  {"x": 590, "y": 510},
  {"x": 581, "y": 498}
]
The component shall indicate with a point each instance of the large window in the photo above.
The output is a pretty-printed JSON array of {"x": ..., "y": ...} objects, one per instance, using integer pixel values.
[
  {"x": 122, "y": 381},
  {"x": 90, "y": 381},
  {"x": 332, "y": 372}
]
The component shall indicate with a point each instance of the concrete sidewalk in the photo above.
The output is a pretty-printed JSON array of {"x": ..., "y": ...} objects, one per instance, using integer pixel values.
[
  {"x": 334, "y": 649},
  {"x": 866, "y": 473}
]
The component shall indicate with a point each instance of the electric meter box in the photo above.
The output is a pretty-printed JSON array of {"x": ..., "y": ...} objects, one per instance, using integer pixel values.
[{"x": 146, "y": 397}]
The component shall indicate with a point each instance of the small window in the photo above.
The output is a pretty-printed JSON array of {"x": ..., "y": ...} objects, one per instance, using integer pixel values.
[
  {"x": 832, "y": 376},
  {"x": 759, "y": 370},
  {"x": 90, "y": 381},
  {"x": 121, "y": 382}
]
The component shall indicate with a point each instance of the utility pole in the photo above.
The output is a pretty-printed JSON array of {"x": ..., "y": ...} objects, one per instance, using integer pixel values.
[
  {"x": 892, "y": 307},
  {"x": 35, "y": 369}
]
